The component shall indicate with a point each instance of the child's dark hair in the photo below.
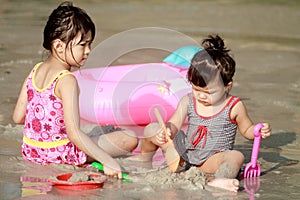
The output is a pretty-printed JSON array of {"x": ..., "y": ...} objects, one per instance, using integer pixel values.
[
  {"x": 213, "y": 60},
  {"x": 65, "y": 22}
]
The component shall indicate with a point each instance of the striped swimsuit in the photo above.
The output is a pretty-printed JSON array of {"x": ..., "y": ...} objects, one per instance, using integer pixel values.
[{"x": 206, "y": 135}]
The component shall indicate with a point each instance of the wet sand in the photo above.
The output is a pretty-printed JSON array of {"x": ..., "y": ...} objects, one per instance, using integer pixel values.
[{"x": 265, "y": 40}]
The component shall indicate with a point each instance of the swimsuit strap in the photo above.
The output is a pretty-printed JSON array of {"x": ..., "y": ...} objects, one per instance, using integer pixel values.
[
  {"x": 62, "y": 74},
  {"x": 52, "y": 83},
  {"x": 34, "y": 69}
]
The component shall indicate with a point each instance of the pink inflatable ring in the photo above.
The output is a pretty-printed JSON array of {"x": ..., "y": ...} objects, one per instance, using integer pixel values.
[{"x": 127, "y": 94}]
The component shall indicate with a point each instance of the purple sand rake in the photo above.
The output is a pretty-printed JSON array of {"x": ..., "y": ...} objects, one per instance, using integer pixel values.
[{"x": 253, "y": 168}]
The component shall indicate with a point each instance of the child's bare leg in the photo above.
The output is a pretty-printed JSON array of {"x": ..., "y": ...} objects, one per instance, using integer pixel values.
[
  {"x": 117, "y": 143},
  {"x": 224, "y": 164},
  {"x": 224, "y": 178},
  {"x": 150, "y": 145},
  {"x": 225, "y": 167},
  {"x": 226, "y": 171}
]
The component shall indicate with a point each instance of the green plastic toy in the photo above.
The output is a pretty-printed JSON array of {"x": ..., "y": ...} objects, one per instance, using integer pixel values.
[{"x": 101, "y": 168}]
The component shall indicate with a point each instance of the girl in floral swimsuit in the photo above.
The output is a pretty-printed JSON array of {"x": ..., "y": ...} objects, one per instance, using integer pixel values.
[
  {"x": 48, "y": 101},
  {"x": 213, "y": 118}
]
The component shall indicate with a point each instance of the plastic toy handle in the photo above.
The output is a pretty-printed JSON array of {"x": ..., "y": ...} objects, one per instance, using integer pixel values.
[
  {"x": 101, "y": 168},
  {"x": 160, "y": 120},
  {"x": 161, "y": 123},
  {"x": 257, "y": 128},
  {"x": 256, "y": 144},
  {"x": 98, "y": 166}
]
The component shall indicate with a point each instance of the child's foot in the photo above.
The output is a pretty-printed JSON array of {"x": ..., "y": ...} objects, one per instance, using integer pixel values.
[{"x": 225, "y": 183}]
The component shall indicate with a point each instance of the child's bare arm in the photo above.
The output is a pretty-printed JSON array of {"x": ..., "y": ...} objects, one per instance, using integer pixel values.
[
  {"x": 69, "y": 92},
  {"x": 20, "y": 109},
  {"x": 245, "y": 125},
  {"x": 179, "y": 116}
]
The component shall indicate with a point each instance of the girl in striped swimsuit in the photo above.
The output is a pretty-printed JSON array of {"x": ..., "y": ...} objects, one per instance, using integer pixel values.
[{"x": 213, "y": 118}]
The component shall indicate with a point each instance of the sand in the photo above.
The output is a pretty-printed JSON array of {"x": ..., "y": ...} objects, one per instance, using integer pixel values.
[{"x": 265, "y": 39}]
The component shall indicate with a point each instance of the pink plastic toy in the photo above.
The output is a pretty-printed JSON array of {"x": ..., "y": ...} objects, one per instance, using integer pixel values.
[{"x": 253, "y": 168}]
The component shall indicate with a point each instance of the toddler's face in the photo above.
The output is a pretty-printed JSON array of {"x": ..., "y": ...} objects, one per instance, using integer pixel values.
[{"x": 213, "y": 94}]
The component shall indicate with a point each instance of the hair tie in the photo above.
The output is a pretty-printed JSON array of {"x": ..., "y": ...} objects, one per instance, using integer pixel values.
[{"x": 215, "y": 49}]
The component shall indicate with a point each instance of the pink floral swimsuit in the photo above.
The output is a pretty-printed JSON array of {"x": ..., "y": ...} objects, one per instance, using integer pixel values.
[{"x": 45, "y": 139}]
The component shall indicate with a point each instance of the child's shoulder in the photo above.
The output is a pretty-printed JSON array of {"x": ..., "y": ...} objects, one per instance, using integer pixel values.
[
  {"x": 185, "y": 100},
  {"x": 187, "y": 97},
  {"x": 67, "y": 77},
  {"x": 238, "y": 107}
]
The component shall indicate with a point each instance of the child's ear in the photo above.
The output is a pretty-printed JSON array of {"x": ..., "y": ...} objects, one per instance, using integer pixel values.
[
  {"x": 228, "y": 87},
  {"x": 58, "y": 46}
]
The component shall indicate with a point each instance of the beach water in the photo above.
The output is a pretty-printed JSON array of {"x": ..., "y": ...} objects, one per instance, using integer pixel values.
[{"x": 264, "y": 37}]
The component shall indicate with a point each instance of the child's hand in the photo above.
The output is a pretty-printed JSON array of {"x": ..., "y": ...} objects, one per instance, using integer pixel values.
[
  {"x": 266, "y": 130},
  {"x": 113, "y": 170},
  {"x": 162, "y": 137}
]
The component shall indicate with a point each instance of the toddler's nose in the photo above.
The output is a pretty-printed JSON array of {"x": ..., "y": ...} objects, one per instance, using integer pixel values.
[{"x": 202, "y": 95}]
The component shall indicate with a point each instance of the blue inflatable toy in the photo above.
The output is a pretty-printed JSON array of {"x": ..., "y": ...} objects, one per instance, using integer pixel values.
[{"x": 182, "y": 57}]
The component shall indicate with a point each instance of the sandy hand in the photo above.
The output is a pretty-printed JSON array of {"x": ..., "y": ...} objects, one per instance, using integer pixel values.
[
  {"x": 113, "y": 169},
  {"x": 163, "y": 136}
]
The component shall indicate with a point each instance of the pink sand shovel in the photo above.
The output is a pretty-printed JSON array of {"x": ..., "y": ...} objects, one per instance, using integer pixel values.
[{"x": 253, "y": 168}]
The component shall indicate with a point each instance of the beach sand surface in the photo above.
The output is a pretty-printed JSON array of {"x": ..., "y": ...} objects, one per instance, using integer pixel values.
[{"x": 265, "y": 40}]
